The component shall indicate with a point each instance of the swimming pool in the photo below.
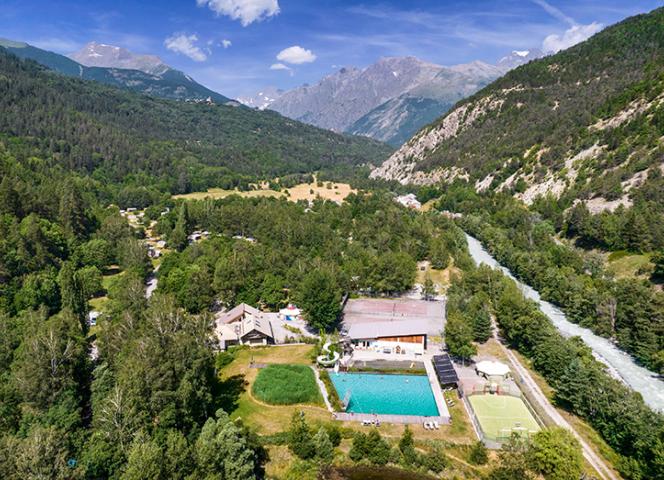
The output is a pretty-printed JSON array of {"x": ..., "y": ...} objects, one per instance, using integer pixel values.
[{"x": 386, "y": 394}]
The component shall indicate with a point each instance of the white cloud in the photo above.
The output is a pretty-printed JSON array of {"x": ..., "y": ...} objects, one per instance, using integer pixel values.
[
  {"x": 296, "y": 55},
  {"x": 279, "y": 66},
  {"x": 246, "y": 11},
  {"x": 226, "y": 43},
  {"x": 573, "y": 35},
  {"x": 555, "y": 12},
  {"x": 186, "y": 45}
]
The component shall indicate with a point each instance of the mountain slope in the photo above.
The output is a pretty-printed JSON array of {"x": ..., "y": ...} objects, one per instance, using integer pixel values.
[
  {"x": 391, "y": 99},
  {"x": 109, "y": 56},
  {"x": 112, "y": 133},
  {"x": 586, "y": 122},
  {"x": 340, "y": 99},
  {"x": 396, "y": 120},
  {"x": 163, "y": 82}
]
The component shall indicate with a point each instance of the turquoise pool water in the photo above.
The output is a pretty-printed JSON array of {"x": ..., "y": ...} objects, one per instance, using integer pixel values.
[{"x": 386, "y": 394}]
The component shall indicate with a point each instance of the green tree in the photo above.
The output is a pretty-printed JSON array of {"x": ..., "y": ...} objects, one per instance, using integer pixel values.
[
  {"x": 513, "y": 461},
  {"x": 222, "y": 451},
  {"x": 658, "y": 260},
  {"x": 319, "y": 297},
  {"x": 145, "y": 460},
  {"x": 407, "y": 447},
  {"x": 429, "y": 290},
  {"x": 435, "y": 460},
  {"x": 96, "y": 252},
  {"x": 178, "y": 238},
  {"x": 479, "y": 455},
  {"x": 133, "y": 256},
  {"x": 300, "y": 440},
  {"x": 378, "y": 450},
  {"x": 556, "y": 454},
  {"x": 323, "y": 446},
  {"x": 42, "y": 454},
  {"x": 73, "y": 293},
  {"x": 72, "y": 212},
  {"x": 358, "y": 449},
  {"x": 459, "y": 336},
  {"x": 478, "y": 310}
]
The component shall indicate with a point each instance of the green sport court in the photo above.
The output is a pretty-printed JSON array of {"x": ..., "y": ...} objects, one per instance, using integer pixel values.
[{"x": 500, "y": 415}]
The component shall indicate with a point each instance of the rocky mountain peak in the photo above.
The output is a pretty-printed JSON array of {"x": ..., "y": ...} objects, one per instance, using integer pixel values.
[
  {"x": 96, "y": 54},
  {"x": 519, "y": 57}
]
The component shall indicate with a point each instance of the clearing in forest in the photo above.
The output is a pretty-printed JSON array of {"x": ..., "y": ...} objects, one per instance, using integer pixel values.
[{"x": 336, "y": 192}]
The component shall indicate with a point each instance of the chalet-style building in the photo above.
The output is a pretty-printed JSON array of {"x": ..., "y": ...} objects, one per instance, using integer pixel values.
[{"x": 244, "y": 325}]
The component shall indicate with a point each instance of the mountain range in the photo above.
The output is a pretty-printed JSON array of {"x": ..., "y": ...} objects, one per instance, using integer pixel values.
[
  {"x": 118, "y": 67},
  {"x": 585, "y": 123},
  {"x": 389, "y": 100},
  {"x": 120, "y": 135}
]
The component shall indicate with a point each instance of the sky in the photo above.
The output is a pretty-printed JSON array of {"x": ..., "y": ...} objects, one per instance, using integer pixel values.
[{"x": 238, "y": 47}]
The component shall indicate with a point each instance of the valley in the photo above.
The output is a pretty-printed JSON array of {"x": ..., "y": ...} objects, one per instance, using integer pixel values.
[{"x": 449, "y": 268}]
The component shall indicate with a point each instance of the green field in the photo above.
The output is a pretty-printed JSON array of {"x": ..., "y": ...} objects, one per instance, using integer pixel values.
[
  {"x": 499, "y": 414},
  {"x": 287, "y": 385}
]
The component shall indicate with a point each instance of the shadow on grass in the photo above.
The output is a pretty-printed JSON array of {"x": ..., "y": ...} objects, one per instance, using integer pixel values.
[{"x": 230, "y": 391}]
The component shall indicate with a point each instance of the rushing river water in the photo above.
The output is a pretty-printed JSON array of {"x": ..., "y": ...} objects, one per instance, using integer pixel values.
[{"x": 620, "y": 364}]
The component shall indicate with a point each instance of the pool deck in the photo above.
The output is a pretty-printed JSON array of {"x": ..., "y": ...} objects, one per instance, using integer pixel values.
[
  {"x": 401, "y": 419},
  {"x": 443, "y": 412}
]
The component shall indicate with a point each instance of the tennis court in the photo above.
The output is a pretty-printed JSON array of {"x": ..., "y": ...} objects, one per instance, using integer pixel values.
[{"x": 500, "y": 415}]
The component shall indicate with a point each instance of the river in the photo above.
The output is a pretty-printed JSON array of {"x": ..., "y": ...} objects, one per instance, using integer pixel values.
[{"x": 619, "y": 363}]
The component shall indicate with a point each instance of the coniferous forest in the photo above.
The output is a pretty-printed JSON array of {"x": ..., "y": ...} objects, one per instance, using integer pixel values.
[{"x": 144, "y": 390}]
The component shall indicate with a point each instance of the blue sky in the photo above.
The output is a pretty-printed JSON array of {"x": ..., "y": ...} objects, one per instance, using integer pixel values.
[{"x": 238, "y": 47}]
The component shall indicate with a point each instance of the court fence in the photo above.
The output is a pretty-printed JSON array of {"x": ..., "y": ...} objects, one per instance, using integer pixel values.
[{"x": 496, "y": 441}]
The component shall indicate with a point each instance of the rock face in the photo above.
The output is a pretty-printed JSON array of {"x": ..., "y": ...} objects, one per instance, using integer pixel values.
[
  {"x": 340, "y": 99},
  {"x": 389, "y": 100},
  {"x": 109, "y": 56},
  {"x": 398, "y": 119}
]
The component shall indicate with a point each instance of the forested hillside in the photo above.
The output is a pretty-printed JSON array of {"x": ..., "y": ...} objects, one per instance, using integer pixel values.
[
  {"x": 120, "y": 137},
  {"x": 167, "y": 83},
  {"x": 583, "y": 127}
]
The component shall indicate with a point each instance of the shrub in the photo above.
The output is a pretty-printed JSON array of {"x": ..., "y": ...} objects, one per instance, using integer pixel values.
[
  {"x": 479, "y": 454},
  {"x": 332, "y": 394},
  {"x": 286, "y": 385}
]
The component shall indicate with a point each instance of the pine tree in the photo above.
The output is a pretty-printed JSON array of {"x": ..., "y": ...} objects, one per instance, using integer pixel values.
[
  {"x": 407, "y": 447},
  {"x": 73, "y": 293},
  {"x": 72, "y": 213},
  {"x": 299, "y": 437},
  {"x": 459, "y": 336},
  {"x": 323, "y": 446},
  {"x": 429, "y": 290}
]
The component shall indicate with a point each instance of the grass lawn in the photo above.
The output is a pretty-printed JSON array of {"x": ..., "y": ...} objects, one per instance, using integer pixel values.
[
  {"x": 267, "y": 419},
  {"x": 238, "y": 378},
  {"x": 628, "y": 266},
  {"x": 287, "y": 385},
  {"x": 441, "y": 278}
]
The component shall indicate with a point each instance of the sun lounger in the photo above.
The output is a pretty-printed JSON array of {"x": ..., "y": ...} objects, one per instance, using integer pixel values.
[
  {"x": 426, "y": 425},
  {"x": 367, "y": 423},
  {"x": 436, "y": 425}
]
